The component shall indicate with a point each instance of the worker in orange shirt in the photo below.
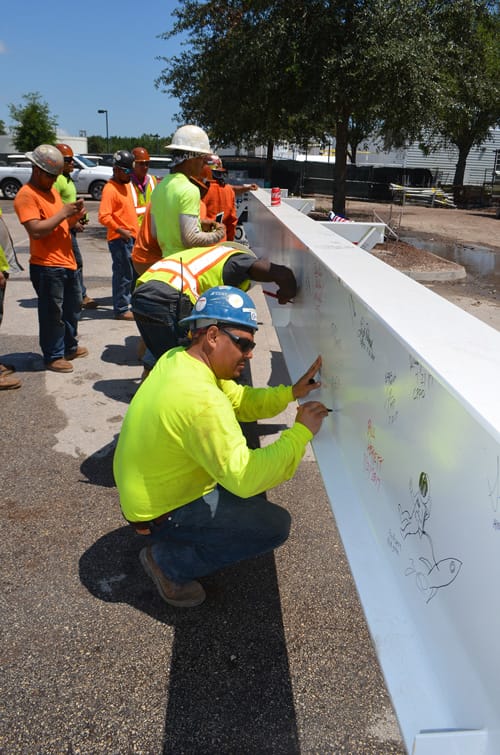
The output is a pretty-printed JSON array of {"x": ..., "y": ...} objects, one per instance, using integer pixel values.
[
  {"x": 220, "y": 197},
  {"x": 117, "y": 212}
]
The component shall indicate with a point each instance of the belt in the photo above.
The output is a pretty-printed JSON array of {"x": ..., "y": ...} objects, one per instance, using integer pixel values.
[{"x": 144, "y": 528}]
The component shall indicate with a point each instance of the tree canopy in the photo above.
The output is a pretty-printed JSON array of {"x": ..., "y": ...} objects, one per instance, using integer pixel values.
[
  {"x": 469, "y": 71},
  {"x": 154, "y": 143},
  {"x": 262, "y": 71},
  {"x": 33, "y": 123}
]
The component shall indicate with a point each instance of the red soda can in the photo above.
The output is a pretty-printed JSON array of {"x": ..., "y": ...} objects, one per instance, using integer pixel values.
[{"x": 275, "y": 196}]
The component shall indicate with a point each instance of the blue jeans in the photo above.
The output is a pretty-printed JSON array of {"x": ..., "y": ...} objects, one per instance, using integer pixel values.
[
  {"x": 123, "y": 275},
  {"x": 214, "y": 531},
  {"x": 79, "y": 260},
  {"x": 157, "y": 308},
  {"x": 59, "y": 307}
]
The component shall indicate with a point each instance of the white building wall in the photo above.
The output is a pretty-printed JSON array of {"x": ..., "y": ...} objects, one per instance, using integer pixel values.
[
  {"x": 77, "y": 143},
  {"x": 442, "y": 163}
]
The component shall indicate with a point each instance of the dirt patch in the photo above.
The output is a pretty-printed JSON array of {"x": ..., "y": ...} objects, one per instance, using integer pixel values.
[
  {"x": 409, "y": 259},
  {"x": 478, "y": 228},
  {"x": 416, "y": 262}
]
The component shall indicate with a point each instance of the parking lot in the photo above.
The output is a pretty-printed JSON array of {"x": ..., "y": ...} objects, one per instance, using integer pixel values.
[{"x": 277, "y": 660}]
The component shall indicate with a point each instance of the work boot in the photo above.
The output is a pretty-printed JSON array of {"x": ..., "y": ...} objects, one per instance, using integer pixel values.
[
  {"x": 6, "y": 369},
  {"x": 7, "y": 382},
  {"x": 128, "y": 315},
  {"x": 78, "y": 353},
  {"x": 59, "y": 365},
  {"x": 188, "y": 595},
  {"x": 89, "y": 303}
]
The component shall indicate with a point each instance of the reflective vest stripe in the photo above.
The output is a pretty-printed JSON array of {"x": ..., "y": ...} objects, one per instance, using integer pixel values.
[
  {"x": 188, "y": 273},
  {"x": 137, "y": 196},
  {"x": 206, "y": 260},
  {"x": 180, "y": 273}
]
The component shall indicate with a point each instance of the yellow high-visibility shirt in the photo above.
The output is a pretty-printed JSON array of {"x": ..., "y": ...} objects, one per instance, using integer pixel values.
[{"x": 181, "y": 437}]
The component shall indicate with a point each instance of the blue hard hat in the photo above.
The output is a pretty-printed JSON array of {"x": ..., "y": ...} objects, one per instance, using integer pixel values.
[{"x": 225, "y": 304}]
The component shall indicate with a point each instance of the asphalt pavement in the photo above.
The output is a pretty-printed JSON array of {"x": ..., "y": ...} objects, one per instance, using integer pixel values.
[{"x": 277, "y": 660}]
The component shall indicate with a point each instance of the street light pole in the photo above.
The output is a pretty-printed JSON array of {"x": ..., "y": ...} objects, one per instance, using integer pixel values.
[
  {"x": 107, "y": 130},
  {"x": 157, "y": 137}
]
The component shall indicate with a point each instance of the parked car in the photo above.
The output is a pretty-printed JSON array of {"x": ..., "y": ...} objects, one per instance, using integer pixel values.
[
  {"x": 89, "y": 178},
  {"x": 158, "y": 166}
]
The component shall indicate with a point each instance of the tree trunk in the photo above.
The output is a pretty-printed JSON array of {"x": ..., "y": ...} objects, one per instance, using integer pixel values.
[
  {"x": 269, "y": 163},
  {"x": 458, "y": 180},
  {"x": 341, "y": 145}
]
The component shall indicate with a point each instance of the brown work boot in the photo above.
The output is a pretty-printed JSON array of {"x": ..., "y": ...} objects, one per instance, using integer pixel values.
[
  {"x": 59, "y": 365},
  {"x": 78, "y": 353},
  {"x": 188, "y": 595},
  {"x": 128, "y": 315},
  {"x": 89, "y": 303},
  {"x": 6, "y": 369},
  {"x": 7, "y": 382}
]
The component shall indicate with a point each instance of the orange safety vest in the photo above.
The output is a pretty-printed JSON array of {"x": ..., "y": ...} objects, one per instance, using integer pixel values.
[{"x": 142, "y": 200}]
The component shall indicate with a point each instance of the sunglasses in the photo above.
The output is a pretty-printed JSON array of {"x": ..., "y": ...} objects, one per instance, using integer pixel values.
[
  {"x": 245, "y": 345},
  {"x": 68, "y": 160},
  {"x": 127, "y": 171}
]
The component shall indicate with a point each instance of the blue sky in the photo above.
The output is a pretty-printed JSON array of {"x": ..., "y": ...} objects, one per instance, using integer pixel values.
[{"x": 87, "y": 56}]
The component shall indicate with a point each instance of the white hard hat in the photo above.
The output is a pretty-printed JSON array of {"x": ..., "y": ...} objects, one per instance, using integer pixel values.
[
  {"x": 48, "y": 158},
  {"x": 190, "y": 139}
]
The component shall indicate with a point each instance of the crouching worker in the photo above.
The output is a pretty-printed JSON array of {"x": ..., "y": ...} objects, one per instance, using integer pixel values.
[
  {"x": 188, "y": 482},
  {"x": 167, "y": 291}
]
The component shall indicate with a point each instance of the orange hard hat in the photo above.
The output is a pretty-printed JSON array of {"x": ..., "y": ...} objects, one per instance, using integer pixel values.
[
  {"x": 140, "y": 153},
  {"x": 215, "y": 163},
  {"x": 65, "y": 150}
]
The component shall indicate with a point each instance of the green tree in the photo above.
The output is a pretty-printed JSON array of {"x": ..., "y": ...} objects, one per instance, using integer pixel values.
[
  {"x": 154, "y": 143},
  {"x": 34, "y": 124},
  {"x": 469, "y": 79},
  {"x": 260, "y": 71},
  {"x": 2, "y": 128},
  {"x": 238, "y": 77},
  {"x": 376, "y": 63}
]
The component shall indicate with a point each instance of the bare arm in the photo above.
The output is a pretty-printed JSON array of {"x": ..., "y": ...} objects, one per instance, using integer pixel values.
[
  {"x": 263, "y": 271},
  {"x": 242, "y": 189},
  {"x": 38, "y": 228}
]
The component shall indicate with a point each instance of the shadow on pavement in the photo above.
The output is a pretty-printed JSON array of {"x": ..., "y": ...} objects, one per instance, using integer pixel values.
[
  {"x": 26, "y": 361},
  {"x": 98, "y": 468},
  {"x": 229, "y": 683},
  {"x": 122, "y": 353},
  {"x": 28, "y": 303},
  {"x": 122, "y": 389}
]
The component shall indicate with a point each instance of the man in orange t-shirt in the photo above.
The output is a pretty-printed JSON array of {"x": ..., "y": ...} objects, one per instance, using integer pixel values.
[
  {"x": 220, "y": 197},
  {"x": 117, "y": 212},
  {"x": 53, "y": 270}
]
